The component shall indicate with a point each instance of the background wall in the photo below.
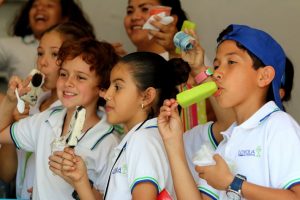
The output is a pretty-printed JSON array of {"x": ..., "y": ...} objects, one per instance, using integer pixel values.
[{"x": 277, "y": 17}]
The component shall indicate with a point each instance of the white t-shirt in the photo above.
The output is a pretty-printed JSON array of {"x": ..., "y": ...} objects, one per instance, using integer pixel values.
[
  {"x": 143, "y": 159},
  {"x": 265, "y": 149},
  {"x": 17, "y": 56},
  {"x": 36, "y": 133}
]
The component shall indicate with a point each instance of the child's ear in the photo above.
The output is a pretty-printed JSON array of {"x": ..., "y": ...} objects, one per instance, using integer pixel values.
[
  {"x": 149, "y": 96},
  {"x": 102, "y": 92},
  {"x": 265, "y": 76}
]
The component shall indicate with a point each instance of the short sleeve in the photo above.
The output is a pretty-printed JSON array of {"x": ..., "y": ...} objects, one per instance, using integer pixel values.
[
  {"x": 147, "y": 160},
  {"x": 24, "y": 132},
  {"x": 284, "y": 151}
]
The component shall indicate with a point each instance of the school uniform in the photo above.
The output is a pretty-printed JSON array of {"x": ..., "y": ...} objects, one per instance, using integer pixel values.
[
  {"x": 194, "y": 139},
  {"x": 36, "y": 134},
  {"x": 143, "y": 159},
  {"x": 265, "y": 149},
  {"x": 26, "y": 160}
]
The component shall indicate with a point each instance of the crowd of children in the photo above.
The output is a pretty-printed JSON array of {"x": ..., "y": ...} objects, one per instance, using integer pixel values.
[{"x": 254, "y": 143}]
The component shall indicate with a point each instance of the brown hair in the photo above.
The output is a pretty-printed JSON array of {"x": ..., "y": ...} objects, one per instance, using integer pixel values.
[{"x": 100, "y": 56}]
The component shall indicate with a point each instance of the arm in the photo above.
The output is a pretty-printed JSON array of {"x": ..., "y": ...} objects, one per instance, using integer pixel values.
[
  {"x": 9, "y": 162},
  {"x": 144, "y": 191},
  {"x": 171, "y": 130},
  {"x": 164, "y": 36}
]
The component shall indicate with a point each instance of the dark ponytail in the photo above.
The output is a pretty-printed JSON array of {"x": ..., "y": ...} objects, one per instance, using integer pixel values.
[{"x": 151, "y": 70}]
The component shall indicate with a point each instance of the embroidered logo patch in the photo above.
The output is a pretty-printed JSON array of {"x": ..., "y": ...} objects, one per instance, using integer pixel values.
[
  {"x": 251, "y": 152},
  {"x": 120, "y": 170}
]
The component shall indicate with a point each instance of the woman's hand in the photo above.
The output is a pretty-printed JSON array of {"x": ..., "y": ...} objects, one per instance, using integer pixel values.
[
  {"x": 119, "y": 49},
  {"x": 164, "y": 36},
  {"x": 194, "y": 56}
]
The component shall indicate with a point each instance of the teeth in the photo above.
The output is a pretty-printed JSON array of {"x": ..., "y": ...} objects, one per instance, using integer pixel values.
[
  {"x": 40, "y": 17},
  {"x": 136, "y": 27},
  {"x": 69, "y": 93}
]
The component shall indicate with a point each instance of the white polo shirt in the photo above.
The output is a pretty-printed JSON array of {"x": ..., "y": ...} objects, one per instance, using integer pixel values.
[
  {"x": 36, "y": 133},
  {"x": 194, "y": 139},
  {"x": 26, "y": 160},
  {"x": 143, "y": 159},
  {"x": 265, "y": 149}
]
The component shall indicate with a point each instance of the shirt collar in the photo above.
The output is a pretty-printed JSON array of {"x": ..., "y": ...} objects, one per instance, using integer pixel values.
[
  {"x": 255, "y": 120},
  {"x": 149, "y": 123}
]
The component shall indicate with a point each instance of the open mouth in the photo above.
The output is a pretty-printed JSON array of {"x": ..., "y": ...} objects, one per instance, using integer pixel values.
[{"x": 40, "y": 18}]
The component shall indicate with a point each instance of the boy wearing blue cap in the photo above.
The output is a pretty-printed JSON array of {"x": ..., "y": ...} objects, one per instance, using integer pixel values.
[{"x": 252, "y": 161}]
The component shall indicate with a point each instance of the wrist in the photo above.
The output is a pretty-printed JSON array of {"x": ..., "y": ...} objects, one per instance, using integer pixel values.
[
  {"x": 89, "y": 183},
  {"x": 234, "y": 190}
]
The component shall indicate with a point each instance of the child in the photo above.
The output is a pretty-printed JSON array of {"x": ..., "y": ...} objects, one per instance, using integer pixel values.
[
  {"x": 249, "y": 67},
  {"x": 139, "y": 84},
  {"x": 47, "y": 52},
  {"x": 84, "y": 74}
]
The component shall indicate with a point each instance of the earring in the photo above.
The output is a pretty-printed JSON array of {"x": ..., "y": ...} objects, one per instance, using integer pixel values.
[{"x": 142, "y": 106}]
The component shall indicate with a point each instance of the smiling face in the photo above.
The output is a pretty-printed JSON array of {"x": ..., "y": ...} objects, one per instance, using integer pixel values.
[
  {"x": 77, "y": 85},
  {"x": 123, "y": 98},
  {"x": 235, "y": 76},
  {"x": 137, "y": 15},
  {"x": 44, "y": 14},
  {"x": 47, "y": 54}
]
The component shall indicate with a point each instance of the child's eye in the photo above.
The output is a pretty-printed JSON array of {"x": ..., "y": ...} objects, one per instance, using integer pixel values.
[
  {"x": 39, "y": 54},
  {"x": 216, "y": 67},
  {"x": 117, "y": 87},
  {"x": 231, "y": 62},
  {"x": 81, "y": 78},
  {"x": 62, "y": 74},
  {"x": 129, "y": 11},
  {"x": 54, "y": 55}
]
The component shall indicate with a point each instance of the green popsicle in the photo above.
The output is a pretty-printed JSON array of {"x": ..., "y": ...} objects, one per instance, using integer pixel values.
[{"x": 196, "y": 94}]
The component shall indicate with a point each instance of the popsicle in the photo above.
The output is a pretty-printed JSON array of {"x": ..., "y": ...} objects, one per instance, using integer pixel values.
[
  {"x": 35, "y": 87},
  {"x": 76, "y": 126},
  {"x": 196, "y": 94}
]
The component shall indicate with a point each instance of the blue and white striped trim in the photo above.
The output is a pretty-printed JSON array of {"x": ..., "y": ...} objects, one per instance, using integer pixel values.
[
  {"x": 209, "y": 193},
  {"x": 291, "y": 183},
  {"x": 211, "y": 136},
  {"x": 56, "y": 109},
  {"x": 12, "y": 135},
  {"x": 151, "y": 126},
  {"x": 110, "y": 131},
  {"x": 143, "y": 180}
]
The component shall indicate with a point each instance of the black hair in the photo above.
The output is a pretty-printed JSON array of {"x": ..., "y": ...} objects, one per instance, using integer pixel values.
[
  {"x": 69, "y": 10},
  {"x": 287, "y": 83},
  {"x": 176, "y": 10},
  {"x": 152, "y": 70},
  {"x": 257, "y": 63}
]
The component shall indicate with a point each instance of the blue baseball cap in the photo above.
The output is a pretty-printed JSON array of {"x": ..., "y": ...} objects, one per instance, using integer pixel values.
[{"x": 263, "y": 46}]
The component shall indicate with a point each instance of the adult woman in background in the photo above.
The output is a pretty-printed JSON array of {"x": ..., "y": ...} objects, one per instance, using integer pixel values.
[
  {"x": 18, "y": 53},
  {"x": 137, "y": 13}
]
